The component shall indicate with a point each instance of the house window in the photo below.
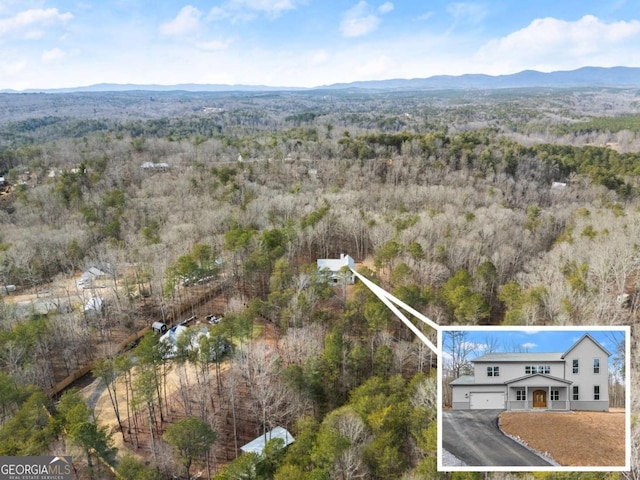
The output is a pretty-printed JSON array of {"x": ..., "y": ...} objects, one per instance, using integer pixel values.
[
  {"x": 555, "y": 395},
  {"x": 576, "y": 366},
  {"x": 596, "y": 365},
  {"x": 493, "y": 371},
  {"x": 576, "y": 393},
  {"x": 521, "y": 394},
  {"x": 596, "y": 392},
  {"x": 531, "y": 369}
]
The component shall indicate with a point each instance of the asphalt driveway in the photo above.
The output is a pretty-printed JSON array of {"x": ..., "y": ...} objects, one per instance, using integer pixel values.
[{"x": 474, "y": 437}]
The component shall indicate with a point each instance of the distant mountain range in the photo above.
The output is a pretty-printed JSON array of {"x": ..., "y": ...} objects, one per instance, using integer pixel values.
[{"x": 582, "y": 77}]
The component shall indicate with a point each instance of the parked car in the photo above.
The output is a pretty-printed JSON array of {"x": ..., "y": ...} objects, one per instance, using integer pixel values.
[{"x": 213, "y": 319}]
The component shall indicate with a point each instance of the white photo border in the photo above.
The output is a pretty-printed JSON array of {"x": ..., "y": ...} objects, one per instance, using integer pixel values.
[{"x": 521, "y": 328}]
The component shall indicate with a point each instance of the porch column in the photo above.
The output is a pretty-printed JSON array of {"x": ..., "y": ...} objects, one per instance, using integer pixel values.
[
  {"x": 508, "y": 404},
  {"x": 549, "y": 399}
]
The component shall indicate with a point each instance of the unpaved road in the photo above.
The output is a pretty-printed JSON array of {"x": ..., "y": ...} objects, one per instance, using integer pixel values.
[{"x": 473, "y": 436}]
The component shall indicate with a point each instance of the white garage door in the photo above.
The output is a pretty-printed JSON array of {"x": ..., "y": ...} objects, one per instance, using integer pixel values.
[{"x": 478, "y": 401}]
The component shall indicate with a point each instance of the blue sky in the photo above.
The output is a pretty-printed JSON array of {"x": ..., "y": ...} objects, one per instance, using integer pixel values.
[
  {"x": 65, "y": 43},
  {"x": 536, "y": 340}
]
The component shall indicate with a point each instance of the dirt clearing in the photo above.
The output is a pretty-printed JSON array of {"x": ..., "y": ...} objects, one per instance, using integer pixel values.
[{"x": 572, "y": 438}]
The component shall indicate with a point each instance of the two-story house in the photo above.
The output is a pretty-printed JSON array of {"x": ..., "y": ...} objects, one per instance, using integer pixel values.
[{"x": 577, "y": 379}]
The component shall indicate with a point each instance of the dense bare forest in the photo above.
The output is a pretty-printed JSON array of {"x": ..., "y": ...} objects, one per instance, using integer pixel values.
[{"x": 515, "y": 207}]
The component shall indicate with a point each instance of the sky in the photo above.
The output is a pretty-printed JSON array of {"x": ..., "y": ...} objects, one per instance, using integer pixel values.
[
  {"x": 536, "y": 340},
  {"x": 304, "y": 43}
]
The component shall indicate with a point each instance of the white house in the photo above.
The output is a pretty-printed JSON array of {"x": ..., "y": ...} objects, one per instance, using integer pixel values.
[
  {"x": 577, "y": 379},
  {"x": 257, "y": 445},
  {"x": 174, "y": 333},
  {"x": 94, "y": 305},
  {"x": 90, "y": 276},
  {"x": 332, "y": 267}
]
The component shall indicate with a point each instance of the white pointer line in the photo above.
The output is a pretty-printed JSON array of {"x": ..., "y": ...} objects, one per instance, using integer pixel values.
[{"x": 389, "y": 301}]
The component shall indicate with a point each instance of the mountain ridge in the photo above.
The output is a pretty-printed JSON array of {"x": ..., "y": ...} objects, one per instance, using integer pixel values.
[{"x": 582, "y": 77}]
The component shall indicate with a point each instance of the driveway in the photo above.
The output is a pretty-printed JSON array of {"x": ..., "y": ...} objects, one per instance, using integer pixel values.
[{"x": 474, "y": 437}]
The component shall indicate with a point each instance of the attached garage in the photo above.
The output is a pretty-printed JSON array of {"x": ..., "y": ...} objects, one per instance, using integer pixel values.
[{"x": 486, "y": 400}]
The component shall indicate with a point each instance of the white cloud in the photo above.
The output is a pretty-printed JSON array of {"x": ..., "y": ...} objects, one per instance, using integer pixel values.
[
  {"x": 529, "y": 345},
  {"x": 550, "y": 43},
  {"x": 29, "y": 22},
  {"x": 53, "y": 55},
  {"x": 424, "y": 16},
  {"x": 186, "y": 22},
  {"x": 359, "y": 20},
  {"x": 319, "y": 57},
  {"x": 213, "y": 45},
  {"x": 386, "y": 7},
  {"x": 467, "y": 12},
  {"x": 13, "y": 68},
  {"x": 246, "y": 10},
  {"x": 268, "y": 6}
]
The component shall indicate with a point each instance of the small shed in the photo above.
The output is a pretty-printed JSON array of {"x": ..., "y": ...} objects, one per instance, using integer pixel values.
[
  {"x": 257, "y": 445},
  {"x": 331, "y": 268}
]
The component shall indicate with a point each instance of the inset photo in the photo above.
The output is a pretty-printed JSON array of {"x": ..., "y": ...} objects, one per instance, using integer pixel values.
[{"x": 534, "y": 399}]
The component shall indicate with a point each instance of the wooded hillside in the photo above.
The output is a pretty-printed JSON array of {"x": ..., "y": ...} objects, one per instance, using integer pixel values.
[{"x": 516, "y": 207}]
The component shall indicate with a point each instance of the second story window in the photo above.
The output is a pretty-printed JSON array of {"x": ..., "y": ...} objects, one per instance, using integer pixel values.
[
  {"x": 530, "y": 369},
  {"x": 493, "y": 371},
  {"x": 576, "y": 366},
  {"x": 596, "y": 365}
]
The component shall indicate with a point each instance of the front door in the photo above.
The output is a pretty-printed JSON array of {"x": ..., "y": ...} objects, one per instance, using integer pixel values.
[{"x": 540, "y": 399}]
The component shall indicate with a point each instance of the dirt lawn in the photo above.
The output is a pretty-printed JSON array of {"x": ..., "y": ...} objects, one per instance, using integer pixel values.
[{"x": 599, "y": 436}]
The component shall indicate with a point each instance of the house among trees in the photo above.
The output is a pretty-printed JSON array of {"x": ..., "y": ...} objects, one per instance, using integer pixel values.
[
  {"x": 89, "y": 276},
  {"x": 577, "y": 379},
  {"x": 332, "y": 268},
  {"x": 257, "y": 445},
  {"x": 94, "y": 305},
  {"x": 154, "y": 166}
]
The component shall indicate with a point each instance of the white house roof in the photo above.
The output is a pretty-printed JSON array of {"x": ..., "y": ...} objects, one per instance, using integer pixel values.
[
  {"x": 464, "y": 380},
  {"x": 549, "y": 380},
  {"x": 94, "y": 304},
  {"x": 519, "y": 357},
  {"x": 172, "y": 335},
  {"x": 535, "y": 357},
  {"x": 335, "y": 264},
  {"x": 257, "y": 445},
  {"x": 91, "y": 274}
]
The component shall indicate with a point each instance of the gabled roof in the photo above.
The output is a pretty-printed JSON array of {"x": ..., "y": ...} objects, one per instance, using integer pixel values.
[
  {"x": 257, "y": 445},
  {"x": 335, "y": 264},
  {"x": 549, "y": 377},
  {"x": 519, "y": 357},
  {"x": 464, "y": 380},
  {"x": 586, "y": 335}
]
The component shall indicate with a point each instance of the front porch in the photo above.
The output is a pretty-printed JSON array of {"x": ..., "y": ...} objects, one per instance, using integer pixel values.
[{"x": 538, "y": 392}]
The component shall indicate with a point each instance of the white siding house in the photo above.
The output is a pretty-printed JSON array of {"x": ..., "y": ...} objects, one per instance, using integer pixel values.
[
  {"x": 577, "y": 379},
  {"x": 332, "y": 268}
]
